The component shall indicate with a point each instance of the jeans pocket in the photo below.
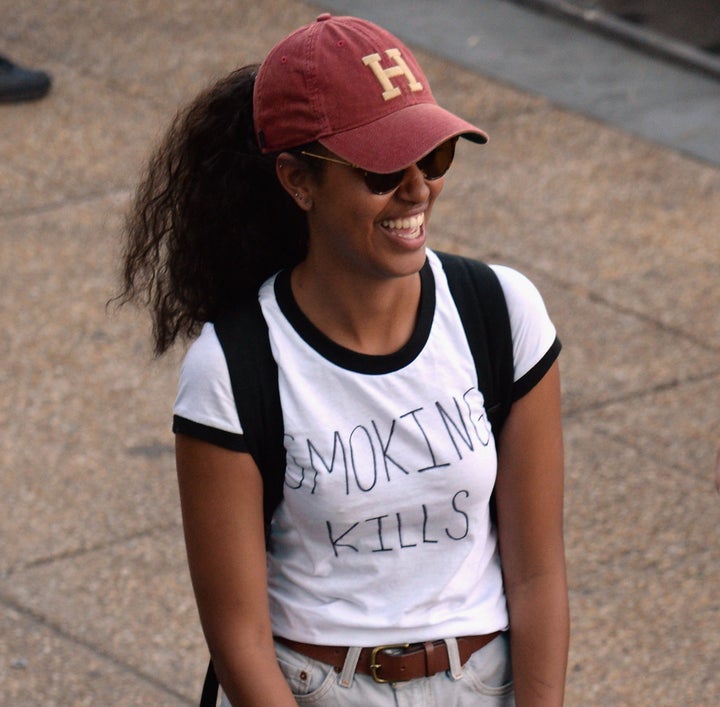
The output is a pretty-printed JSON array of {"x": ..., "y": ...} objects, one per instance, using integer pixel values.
[
  {"x": 489, "y": 670},
  {"x": 309, "y": 680}
]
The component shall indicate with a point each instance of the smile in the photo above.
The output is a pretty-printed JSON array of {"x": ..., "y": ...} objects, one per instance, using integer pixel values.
[{"x": 405, "y": 227}]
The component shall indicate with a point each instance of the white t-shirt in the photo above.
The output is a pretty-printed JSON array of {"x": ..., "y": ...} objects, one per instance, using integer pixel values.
[{"x": 384, "y": 534}]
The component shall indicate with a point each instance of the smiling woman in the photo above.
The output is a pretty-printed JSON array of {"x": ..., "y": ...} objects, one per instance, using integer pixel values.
[{"x": 410, "y": 546}]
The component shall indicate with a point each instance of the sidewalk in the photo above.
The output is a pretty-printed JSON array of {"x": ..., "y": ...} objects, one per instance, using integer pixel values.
[{"x": 615, "y": 221}]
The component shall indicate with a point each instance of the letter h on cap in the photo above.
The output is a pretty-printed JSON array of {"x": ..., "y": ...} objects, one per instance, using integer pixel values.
[{"x": 384, "y": 75}]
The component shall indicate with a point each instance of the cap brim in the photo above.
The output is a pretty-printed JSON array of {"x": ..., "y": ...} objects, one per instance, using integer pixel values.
[{"x": 400, "y": 138}]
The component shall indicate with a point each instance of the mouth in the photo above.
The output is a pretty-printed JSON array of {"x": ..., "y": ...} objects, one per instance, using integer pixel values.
[{"x": 406, "y": 228}]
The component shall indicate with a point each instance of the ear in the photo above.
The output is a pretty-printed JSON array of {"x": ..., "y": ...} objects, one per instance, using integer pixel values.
[{"x": 295, "y": 178}]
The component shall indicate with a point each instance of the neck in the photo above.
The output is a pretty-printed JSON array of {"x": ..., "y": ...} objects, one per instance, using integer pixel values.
[{"x": 370, "y": 316}]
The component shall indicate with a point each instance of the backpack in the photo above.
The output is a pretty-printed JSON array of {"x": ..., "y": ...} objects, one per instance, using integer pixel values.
[{"x": 244, "y": 338}]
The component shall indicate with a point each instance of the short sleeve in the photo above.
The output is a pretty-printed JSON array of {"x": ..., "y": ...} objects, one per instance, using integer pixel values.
[
  {"x": 205, "y": 406},
  {"x": 535, "y": 341}
]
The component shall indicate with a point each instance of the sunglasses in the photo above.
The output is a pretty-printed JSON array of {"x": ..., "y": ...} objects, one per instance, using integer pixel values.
[{"x": 433, "y": 166}]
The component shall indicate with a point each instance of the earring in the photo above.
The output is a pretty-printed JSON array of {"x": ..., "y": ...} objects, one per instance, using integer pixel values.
[{"x": 303, "y": 201}]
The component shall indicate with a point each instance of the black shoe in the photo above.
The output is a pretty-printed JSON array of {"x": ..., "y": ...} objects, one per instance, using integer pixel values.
[{"x": 18, "y": 84}]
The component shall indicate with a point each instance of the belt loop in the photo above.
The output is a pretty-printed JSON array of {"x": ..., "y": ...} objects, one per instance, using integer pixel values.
[
  {"x": 453, "y": 658},
  {"x": 349, "y": 666}
]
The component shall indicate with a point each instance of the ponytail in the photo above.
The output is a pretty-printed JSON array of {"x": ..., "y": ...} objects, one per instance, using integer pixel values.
[{"x": 210, "y": 221}]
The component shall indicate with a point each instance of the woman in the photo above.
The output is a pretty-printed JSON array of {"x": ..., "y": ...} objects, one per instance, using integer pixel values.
[{"x": 307, "y": 184}]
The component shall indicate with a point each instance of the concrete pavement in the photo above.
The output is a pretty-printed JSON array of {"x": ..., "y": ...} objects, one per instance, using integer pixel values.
[{"x": 617, "y": 226}]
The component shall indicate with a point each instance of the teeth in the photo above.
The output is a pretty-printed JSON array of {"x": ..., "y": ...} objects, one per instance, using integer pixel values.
[{"x": 405, "y": 224}]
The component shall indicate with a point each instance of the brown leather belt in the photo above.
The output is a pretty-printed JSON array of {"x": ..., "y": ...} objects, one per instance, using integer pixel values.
[{"x": 396, "y": 662}]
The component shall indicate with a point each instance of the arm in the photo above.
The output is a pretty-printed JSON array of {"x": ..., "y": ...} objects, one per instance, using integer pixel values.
[
  {"x": 221, "y": 501},
  {"x": 530, "y": 527}
]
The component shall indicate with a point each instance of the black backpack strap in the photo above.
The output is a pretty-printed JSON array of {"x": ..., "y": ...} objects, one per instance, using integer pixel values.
[
  {"x": 480, "y": 301},
  {"x": 210, "y": 688},
  {"x": 245, "y": 341},
  {"x": 244, "y": 337}
]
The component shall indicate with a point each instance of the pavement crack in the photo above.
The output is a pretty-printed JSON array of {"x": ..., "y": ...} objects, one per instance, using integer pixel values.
[
  {"x": 581, "y": 291},
  {"x": 635, "y": 395},
  {"x": 78, "y": 200},
  {"x": 94, "y": 648},
  {"x": 88, "y": 550}
]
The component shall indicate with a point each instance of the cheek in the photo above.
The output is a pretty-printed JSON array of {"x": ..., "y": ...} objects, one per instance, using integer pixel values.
[
  {"x": 436, "y": 188},
  {"x": 345, "y": 218}
]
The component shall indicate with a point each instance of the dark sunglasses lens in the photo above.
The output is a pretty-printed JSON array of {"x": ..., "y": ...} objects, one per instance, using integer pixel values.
[
  {"x": 433, "y": 166},
  {"x": 436, "y": 163},
  {"x": 383, "y": 183}
]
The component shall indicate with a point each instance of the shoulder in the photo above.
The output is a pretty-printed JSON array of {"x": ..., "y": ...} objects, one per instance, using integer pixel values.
[
  {"x": 522, "y": 296},
  {"x": 535, "y": 341},
  {"x": 204, "y": 390},
  {"x": 204, "y": 358}
]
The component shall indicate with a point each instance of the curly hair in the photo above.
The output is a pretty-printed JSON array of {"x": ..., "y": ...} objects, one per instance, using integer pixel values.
[{"x": 210, "y": 220}]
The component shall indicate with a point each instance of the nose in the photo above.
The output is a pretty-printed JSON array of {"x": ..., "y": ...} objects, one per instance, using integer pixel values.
[{"x": 413, "y": 187}]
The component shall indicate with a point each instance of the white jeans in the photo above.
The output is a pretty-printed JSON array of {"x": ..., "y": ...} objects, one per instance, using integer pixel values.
[{"x": 484, "y": 681}]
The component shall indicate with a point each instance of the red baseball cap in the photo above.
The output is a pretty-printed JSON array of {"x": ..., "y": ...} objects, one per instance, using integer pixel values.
[{"x": 356, "y": 89}]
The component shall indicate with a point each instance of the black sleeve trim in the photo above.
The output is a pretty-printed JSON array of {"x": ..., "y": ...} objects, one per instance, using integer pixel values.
[
  {"x": 524, "y": 385},
  {"x": 220, "y": 438}
]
